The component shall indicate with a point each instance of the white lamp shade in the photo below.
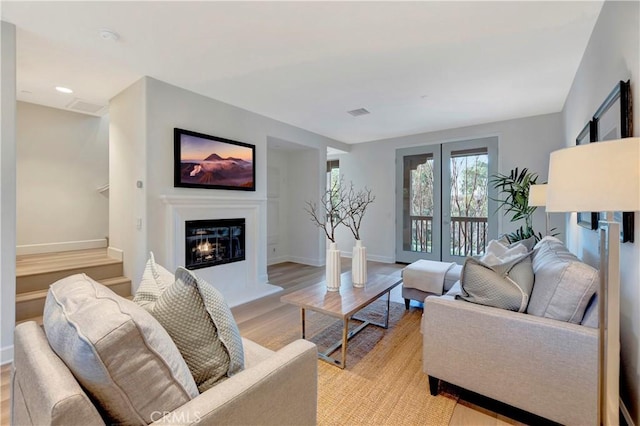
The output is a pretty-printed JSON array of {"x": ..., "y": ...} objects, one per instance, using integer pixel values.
[
  {"x": 600, "y": 176},
  {"x": 538, "y": 195}
]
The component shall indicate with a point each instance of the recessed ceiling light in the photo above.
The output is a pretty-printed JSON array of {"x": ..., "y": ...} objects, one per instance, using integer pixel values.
[
  {"x": 63, "y": 89},
  {"x": 108, "y": 35}
]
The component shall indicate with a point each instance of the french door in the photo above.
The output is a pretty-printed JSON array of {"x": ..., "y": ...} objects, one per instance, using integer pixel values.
[{"x": 444, "y": 201}]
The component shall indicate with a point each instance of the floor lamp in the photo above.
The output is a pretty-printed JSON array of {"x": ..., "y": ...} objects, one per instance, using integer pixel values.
[
  {"x": 538, "y": 198},
  {"x": 601, "y": 177}
]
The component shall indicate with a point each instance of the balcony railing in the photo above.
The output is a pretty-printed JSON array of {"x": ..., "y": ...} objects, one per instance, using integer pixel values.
[
  {"x": 468, "y": 235},
  {"x": 421, "y": 233}
]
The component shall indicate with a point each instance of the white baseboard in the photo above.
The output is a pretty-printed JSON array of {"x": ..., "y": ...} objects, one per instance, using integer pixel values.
[
  {"x": 316, "y": 262},
  {"x": 6, "y": 355},
  {"x": 115, "y": 253},
  {"x": 279, "y": 259},
  {"x": 372, "y": 257},
  {"x": 58, "y": 247},
  {"x": 381, "y": 259},
  {"x": 625, "y": 414},
  {"x": 304, "y": 261}
]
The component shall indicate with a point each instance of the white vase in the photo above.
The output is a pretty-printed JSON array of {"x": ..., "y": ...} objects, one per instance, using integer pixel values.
[
  {"x": 333, "y": 268},
  {"x": 359, "y": 265}
]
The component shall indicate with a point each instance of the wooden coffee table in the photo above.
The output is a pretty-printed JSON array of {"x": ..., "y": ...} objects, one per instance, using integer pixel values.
[{"x": 343, "y": 305}]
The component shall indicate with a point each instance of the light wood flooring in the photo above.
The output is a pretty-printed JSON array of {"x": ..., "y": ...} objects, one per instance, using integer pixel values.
[{"x": 270, "y": 313}]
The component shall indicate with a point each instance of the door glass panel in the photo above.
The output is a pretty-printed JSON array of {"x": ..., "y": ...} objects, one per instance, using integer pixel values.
[
  {"x": 469, "y": 201},
  {"x": 419, "y": 203}
]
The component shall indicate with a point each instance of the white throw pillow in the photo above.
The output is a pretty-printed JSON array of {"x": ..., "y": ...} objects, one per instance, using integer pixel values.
[{"x": 155, "y": 280}]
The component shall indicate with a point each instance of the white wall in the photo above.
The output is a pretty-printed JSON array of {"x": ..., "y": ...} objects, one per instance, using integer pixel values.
[
  {"x": 612, "y": 55},
  {"x": 525, "y": 142},
  {"x": 127, "y": 166},
  {"x": 62, "y": 158},
  {"x": 142, "y": 119},
  {"x": 7, "y": 189},
  {"x": 277, "y": 206}
]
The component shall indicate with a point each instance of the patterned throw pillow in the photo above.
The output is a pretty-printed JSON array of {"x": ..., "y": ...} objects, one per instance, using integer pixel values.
[
  {"x": 505, "y": 285},
  {"x": 200, "y": 323}
]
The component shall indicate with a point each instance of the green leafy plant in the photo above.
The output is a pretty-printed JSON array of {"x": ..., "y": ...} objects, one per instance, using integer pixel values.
[{"x": 514, "y": 192}]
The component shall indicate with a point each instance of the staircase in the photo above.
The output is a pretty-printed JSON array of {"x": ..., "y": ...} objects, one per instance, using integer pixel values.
[{"x": 36, "y": 272}]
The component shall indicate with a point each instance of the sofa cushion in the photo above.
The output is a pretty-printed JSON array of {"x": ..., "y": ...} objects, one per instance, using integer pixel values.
[
  {"x": 199, "y": 321},
  {"x": 564, "y": 285},
  {"x": 590, "y": 318},
  {"x": 116, "y": 350},
  {"x": 505, "y": 285}
]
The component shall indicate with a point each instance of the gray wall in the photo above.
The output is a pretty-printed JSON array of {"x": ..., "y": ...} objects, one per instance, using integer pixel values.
[
  {"x": 525, "y": 142},
  {"x": 62, "y": 158},
  {"x": 612, "y": 55},
  {"x": 7, "y": 189},
  {"x": 307, "y": 171}
]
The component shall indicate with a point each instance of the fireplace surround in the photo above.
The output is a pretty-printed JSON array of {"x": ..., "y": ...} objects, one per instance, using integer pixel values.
[{"x": 239, "y": 282}]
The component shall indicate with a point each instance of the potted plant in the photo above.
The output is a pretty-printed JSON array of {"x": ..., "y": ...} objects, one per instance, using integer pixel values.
[{"x": 514, "y": 191}]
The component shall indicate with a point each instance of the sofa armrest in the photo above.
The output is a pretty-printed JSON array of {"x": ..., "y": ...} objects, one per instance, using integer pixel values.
[
  {"x": 541, "y": 365},
  {"x": 43, "y": 390},
  {"x": 281, "y": 390}
]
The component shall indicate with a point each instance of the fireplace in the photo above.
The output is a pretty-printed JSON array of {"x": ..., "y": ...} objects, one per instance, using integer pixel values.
[{"x": 214, "y": 242}]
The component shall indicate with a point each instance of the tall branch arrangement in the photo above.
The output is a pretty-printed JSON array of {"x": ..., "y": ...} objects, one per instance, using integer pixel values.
[
  {"x": 355, "y": 207},
  {"x": 340, "y": 206},
  {"x": 330, "y": 214}
]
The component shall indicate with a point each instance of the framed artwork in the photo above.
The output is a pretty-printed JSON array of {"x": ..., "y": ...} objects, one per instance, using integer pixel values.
[
  {"x": 204, "y": 161},
  {"x": 587, "y": 135},
  {"x": 613, "y": 120}
]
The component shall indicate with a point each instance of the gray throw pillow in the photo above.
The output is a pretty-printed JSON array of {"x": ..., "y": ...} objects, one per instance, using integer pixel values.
[
  {"x": 116, "y": 350},
  {"x": 507, "y": 285},
  {"x": 201, "y": 324},
  {"x": 564, "y": 284}
]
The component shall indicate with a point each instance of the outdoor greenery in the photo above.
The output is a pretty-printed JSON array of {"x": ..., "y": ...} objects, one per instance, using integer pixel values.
[{"x": 468, "y": 207}]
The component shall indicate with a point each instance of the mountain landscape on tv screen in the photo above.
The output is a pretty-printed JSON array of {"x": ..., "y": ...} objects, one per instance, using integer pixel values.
[{"x": 215, "y": 170}]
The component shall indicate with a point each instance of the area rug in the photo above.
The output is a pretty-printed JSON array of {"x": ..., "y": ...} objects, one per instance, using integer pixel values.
[{"x": 383, "y": 383}]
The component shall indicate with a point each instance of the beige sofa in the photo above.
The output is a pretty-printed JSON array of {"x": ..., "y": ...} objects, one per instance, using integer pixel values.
[
  {"x": 544, "y": 361},
  {"x": 275, "y": 388}
]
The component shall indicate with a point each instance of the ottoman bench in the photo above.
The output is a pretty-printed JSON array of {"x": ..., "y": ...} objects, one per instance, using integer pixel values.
[{"x": 427, "y": 277}]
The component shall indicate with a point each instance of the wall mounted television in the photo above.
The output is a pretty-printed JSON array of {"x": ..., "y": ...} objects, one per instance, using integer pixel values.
[{"x": 204, "y": 161}]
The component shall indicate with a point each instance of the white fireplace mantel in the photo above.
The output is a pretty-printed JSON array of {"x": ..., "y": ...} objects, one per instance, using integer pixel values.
[
  {"x": 239, "y": 282},
  {"x": 178, "y": 200}
]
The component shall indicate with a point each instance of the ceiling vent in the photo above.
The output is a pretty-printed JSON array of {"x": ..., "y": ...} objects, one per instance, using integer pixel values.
[
  {"x": 358, "y": 112},
  {"x": 86, "y": 107}
]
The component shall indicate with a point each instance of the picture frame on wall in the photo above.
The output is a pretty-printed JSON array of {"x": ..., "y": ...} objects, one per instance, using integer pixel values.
[
  {"x": 211, "y": 162},
  {"x": 588, "y": 220},
  {"x": 613, "y": 120}
]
